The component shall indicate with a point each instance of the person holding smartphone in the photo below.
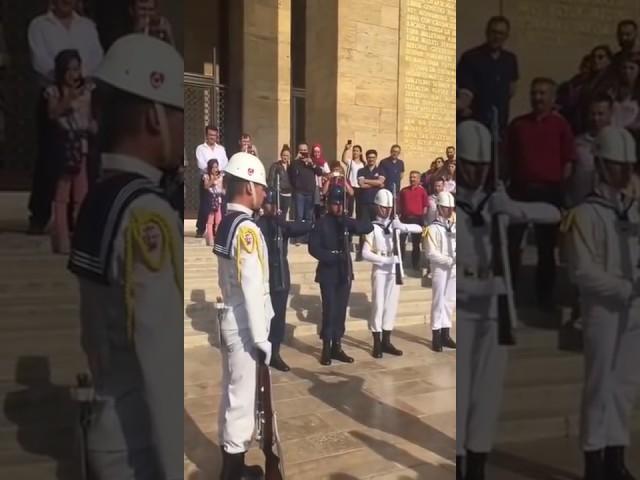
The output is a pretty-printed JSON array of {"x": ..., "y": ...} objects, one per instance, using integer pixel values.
[{"x": 353, "y": 165}]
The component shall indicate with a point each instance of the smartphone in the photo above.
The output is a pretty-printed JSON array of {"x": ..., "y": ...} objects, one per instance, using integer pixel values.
[{"x": 349, "y": 142}]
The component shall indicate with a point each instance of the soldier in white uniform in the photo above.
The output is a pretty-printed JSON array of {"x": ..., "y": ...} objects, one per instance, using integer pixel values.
[
  {"x": 378, "y": 249},
  {"x": 603, "y": 259},
  {"x": 440, "y": 251},
  {"x": 243, "y": 276},
  {"x": 480, "y": 360},
  {"x": 128, "y": 257}
]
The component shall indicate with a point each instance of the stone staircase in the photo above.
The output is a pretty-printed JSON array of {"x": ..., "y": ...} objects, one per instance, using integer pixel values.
[{"x": 304, "y": 306}]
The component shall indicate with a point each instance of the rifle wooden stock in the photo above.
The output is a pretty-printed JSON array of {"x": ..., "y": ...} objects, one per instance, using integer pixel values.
[{"x": 269, "y": 439}]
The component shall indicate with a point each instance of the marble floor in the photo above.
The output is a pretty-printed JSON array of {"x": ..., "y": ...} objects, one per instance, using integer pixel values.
[{"x": 391, "y": 419}]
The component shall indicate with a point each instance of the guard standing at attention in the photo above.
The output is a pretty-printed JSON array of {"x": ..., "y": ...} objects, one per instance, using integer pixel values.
[
  {"x": 440, "y": 252},
  {"x": 481, "y": 360},
  {"x": 127, "y": 255},
  {"x": 329, "y": 243},
  {"x": 277, "y": 231},
  {"x": 243, "y": 277},
  {"x": 378, "y": 249},
  {"x": 603, "y": 258}
]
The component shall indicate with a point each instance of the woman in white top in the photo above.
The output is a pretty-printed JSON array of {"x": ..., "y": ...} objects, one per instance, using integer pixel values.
[
  {"x": 355, "y": 163},
  {"x": 625, "y": 93}
]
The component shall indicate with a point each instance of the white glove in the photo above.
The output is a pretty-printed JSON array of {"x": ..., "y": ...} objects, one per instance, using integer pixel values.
[
  {"x": 397, "y": 225},
  {"x": 265, "y": 347},
  {"x": 502, "y": 204},
  {"x": 396, "y": 260}
]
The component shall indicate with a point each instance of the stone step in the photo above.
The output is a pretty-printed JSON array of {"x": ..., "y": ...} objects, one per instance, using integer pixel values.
[{"x": 361, "y": 281}]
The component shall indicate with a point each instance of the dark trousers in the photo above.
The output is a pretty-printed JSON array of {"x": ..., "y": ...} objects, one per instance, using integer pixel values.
[
  {"x": 204, "y": 208},
  {"x": 335, "y": 298},
  {"x": 546, "y": 237},
  {"x": 279, "y": 303},
  {"x": 304, "y": 209},
  {"x": 416, "y": 239},
  {"x": 285, "y": 205},
  {"x": 45, "y": 174}
]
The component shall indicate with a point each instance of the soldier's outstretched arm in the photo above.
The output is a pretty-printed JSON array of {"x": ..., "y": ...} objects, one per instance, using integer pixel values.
[
  {"x": 153, "y": 285},
  {"x": 585, "y": 263},
  {"x": 524, "y": 212},
  {"x": 359, "y": 227},
  {"x": 297, "y": 228},
  {"x": 251, "y": 272},
  {"x": 406, "y": 227}
]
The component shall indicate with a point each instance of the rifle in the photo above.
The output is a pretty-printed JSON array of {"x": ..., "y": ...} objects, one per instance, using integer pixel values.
[
  {"x": 396, "y": 243},
  {"x": 507, "y": 315},
  {"x": 279, "y": 238},
  {"x": 267, "y": 427},
  {"x": 83, "y": 394}
]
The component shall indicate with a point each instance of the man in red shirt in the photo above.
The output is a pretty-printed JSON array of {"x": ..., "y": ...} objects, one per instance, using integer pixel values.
[
  {"x": 540, "y": 151},
  {"x": 413, "y": 204}
]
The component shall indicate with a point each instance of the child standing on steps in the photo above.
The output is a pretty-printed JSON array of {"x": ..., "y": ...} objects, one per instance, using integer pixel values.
[
  {"x": 212, "y": 183},
  {"x": 69, "y": 109}
]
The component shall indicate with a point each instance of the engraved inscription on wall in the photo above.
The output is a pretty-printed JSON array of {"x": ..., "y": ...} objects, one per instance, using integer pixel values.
[{"x": 427, "y": 90}]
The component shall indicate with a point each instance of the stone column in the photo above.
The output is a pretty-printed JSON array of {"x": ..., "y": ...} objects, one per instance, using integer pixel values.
[{"x": 266, "y": 93}]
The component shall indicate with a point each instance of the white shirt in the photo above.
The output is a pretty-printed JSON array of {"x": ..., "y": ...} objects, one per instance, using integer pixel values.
[
  {"x": 204, "y": 153},
  {"x": 353, "y": 172},
  {"x": 48, "y": 37}
]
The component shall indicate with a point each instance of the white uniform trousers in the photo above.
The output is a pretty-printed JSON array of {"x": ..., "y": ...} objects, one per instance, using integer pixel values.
[
  {"x": 384, "y": 301},
  {"x": 612, "y": 357},
  {"x": 481, "y": 365},
  {"x": 443, "y": 297},
  {"x": 237, "y": 406}
]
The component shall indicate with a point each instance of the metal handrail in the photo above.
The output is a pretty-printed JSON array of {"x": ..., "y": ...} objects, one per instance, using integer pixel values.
[{"x": 199, "y": 80}]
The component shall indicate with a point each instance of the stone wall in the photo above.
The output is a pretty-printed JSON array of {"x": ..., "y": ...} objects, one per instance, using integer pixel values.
[
  {"x": 367, "y": 102},
  {"x": 427, "y": 80},
  {"x": 549, "y": 36}
]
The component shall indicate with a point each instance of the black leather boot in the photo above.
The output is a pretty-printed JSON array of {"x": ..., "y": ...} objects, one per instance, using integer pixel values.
[
  {"x": 276, "y": 360},
  {"x": 325, "y": 357},
  {"x": 594, "y": 466},
  {"x": 387, "y": 346},
  {"x": 338, "y": 354},
  {"x": 614, "y": 466},
  {"x": 377, "y": 346},
  {"x": 476, "y": 463},
  {"x": 447, "y": 341},
  {"x": 233, "y": 468},
  {"x": 459, "y": 467},
  {"x": 436, "y": 340}
]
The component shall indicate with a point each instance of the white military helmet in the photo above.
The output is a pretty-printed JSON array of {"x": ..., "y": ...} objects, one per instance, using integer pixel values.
[
  {"x": 445, "y": 199},
  {"x": 247, "y": 167},
  {"x": 616, "y": 144},
  {"x": 146, "y": 67},
  {"x": 473, "y": 142},
  {"x": 384, "y": 198}
]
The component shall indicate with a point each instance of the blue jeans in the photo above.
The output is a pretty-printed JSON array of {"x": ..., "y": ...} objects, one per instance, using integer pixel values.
[{"x": 304, "y": 208}]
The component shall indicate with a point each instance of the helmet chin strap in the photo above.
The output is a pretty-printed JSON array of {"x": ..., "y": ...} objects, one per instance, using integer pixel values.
[
  {"x": 161, "y": 112},
  {"x": 252, "y": 189}
]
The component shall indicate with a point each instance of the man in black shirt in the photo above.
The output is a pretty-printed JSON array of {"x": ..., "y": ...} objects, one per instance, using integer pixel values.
[
  {"x": 487, "y": 76},
  {"x": 370, "y": 179},
  {"x": 303, "y": 180},
  {"x": 393, "y": 170}
]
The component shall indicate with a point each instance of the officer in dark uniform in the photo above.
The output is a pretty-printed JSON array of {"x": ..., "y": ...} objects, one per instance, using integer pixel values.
[
  {"x": 335, "y": 271},
  {"x": 277, "y": 231}
]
